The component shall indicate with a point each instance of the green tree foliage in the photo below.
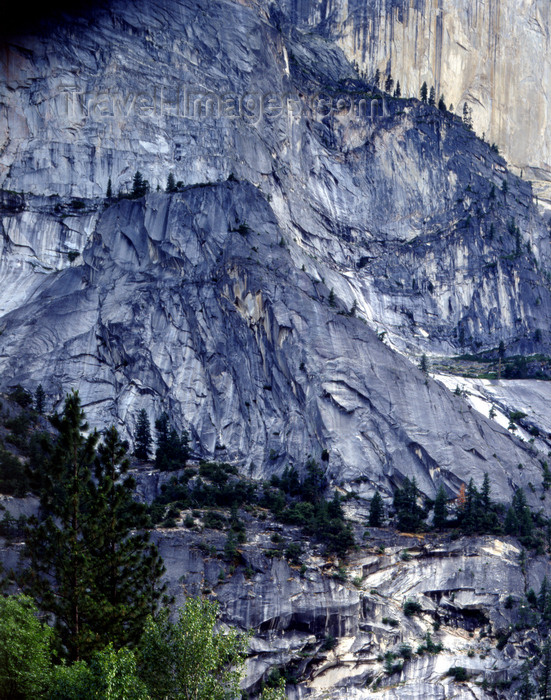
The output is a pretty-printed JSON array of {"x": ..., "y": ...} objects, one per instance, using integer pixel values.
[
  {"x": 109, "y": 192},
  {"x": 39, "y": 399},
  {"x": 467, "y": 116},
  {"x": 376, "y": 511},
  {"x": 409, "y": 515},
  {"x": 519, "y": 517},
  {"x": 389, "y": 82},
  {"x": 143, "y": 436},
  {"x": 21, "y": 396},
  {"x": 189, "y": 659},
  {"x": 440, "y": 519},
  {"x": 546, "y": 483},
  {"x": 171, "y": 183},
  {"x": 377, "y": 78},
  {"x": 25, "y": 649},
  {"x": 526, "y": 690},
  {"x": 479, "y": 513},
  {"x": 276, "y": 693},
  {"x": 13, "y": 476},
  {"x": 140, "y": 186},
  {"x": 110, "y": 675},
  {"x": 172, "y": 449},
  {"x": 398, "y": 90},
  {"x": 442, "y": 104},
  {"x": 305, "y": 505},
  {"x": 126, "y": 567},
  {"x": 424, "y": 365},
  {"x": 84, "y": 566},
  {"x": 59, "y": 571},
  {"x": 432, "y": 97},
  {"x": 424, "y": 92},
  {"x": 545, "y": 674}
]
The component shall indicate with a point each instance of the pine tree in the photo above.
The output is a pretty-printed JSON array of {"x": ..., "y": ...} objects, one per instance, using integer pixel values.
[
  {"x": 39, "y": 399},
  {"x": 470, "y": 520},
  {"x": 467, "y": 116},
  {"x": 139, "y": 185},
  {"x": 389, "y": 82},
  {"x": 376, "y": 511},
  {"x": 442, "y": 104},
  {"x": 172, "y": 449},
  {"x": 424, "y": 92},
  {"x": 332, "y": 297},
  {"x": 109, "y": 192},
  {"x": 526, "y": 690},
  {"x": 546, "y": 476},
  {"x": 424, "y": 364},
  {"x": 86, "y": 567},
  {"x": 545, "y": 677},
  {"x": 485, "y": 500},
  {"x": 488, "y": 517},
  {"x": 543, "y": 595},
  {"x": 511, "y": 525},
  {"x": 409, "y": 514},
  {"x": 127, "y": 568},
  {"x": 59, "y": 573},
  {"x": 377, "y": 78},
  {"x": 432, "y": 97},
  {"x": 143, "y": 436},
  {"x": 171, "y": 183},
  {"x": 440, "y": 519},
  {"x": 398, "y": 90},
  {"x": 523, "y": 514}
]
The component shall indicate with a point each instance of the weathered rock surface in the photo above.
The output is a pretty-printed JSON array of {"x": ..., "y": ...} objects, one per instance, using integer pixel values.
[
  {"x": 494, "y": 55},
  {"x": 271, "y": 305},
  {"x": 173, "y": 307},
  {"x": 461, "y": 587}
]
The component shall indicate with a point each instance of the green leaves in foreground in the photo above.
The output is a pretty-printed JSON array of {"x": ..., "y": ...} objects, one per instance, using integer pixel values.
[
  {"x": 189, "y": 659},
  {"x": 25, "y": 649},
  {"x": 182, "y": 660}
]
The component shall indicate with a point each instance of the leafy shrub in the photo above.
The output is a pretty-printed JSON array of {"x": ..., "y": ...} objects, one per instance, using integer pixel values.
[
  {"x": 21, "y": 396},
  {"x": 215, "y": 520},
  {"x": 459, "y": 673},
  {"x": 329, "y": 643},
  {"x": 411, "y": 607}
]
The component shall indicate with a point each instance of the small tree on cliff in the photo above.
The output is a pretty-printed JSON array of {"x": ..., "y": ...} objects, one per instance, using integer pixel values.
[
  {"x": 172, "y": 449},
  {"x": 171, "y": 183},
  {"x": 143, "y": 436},
  {"x": 39, "y": 399},
  {"x": 376, "y": 511},
  {"x": 440, "y": 519},
  {"x": 424, "y": 92}
]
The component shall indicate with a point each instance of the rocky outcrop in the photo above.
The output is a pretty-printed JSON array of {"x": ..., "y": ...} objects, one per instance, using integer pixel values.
[
  {"x": 195, "y": 302},
  {"x": 493, "y": 55},
  {"x": 277, "y": 305},
  {"x": 461, "y": 588}
]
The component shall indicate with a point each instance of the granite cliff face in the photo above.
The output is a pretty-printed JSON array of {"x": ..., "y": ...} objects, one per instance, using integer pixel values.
[
  {"x": 491, "y": 54},
  {"x": 216, "y": 302},
  {"x": 321, "y": 239}
]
